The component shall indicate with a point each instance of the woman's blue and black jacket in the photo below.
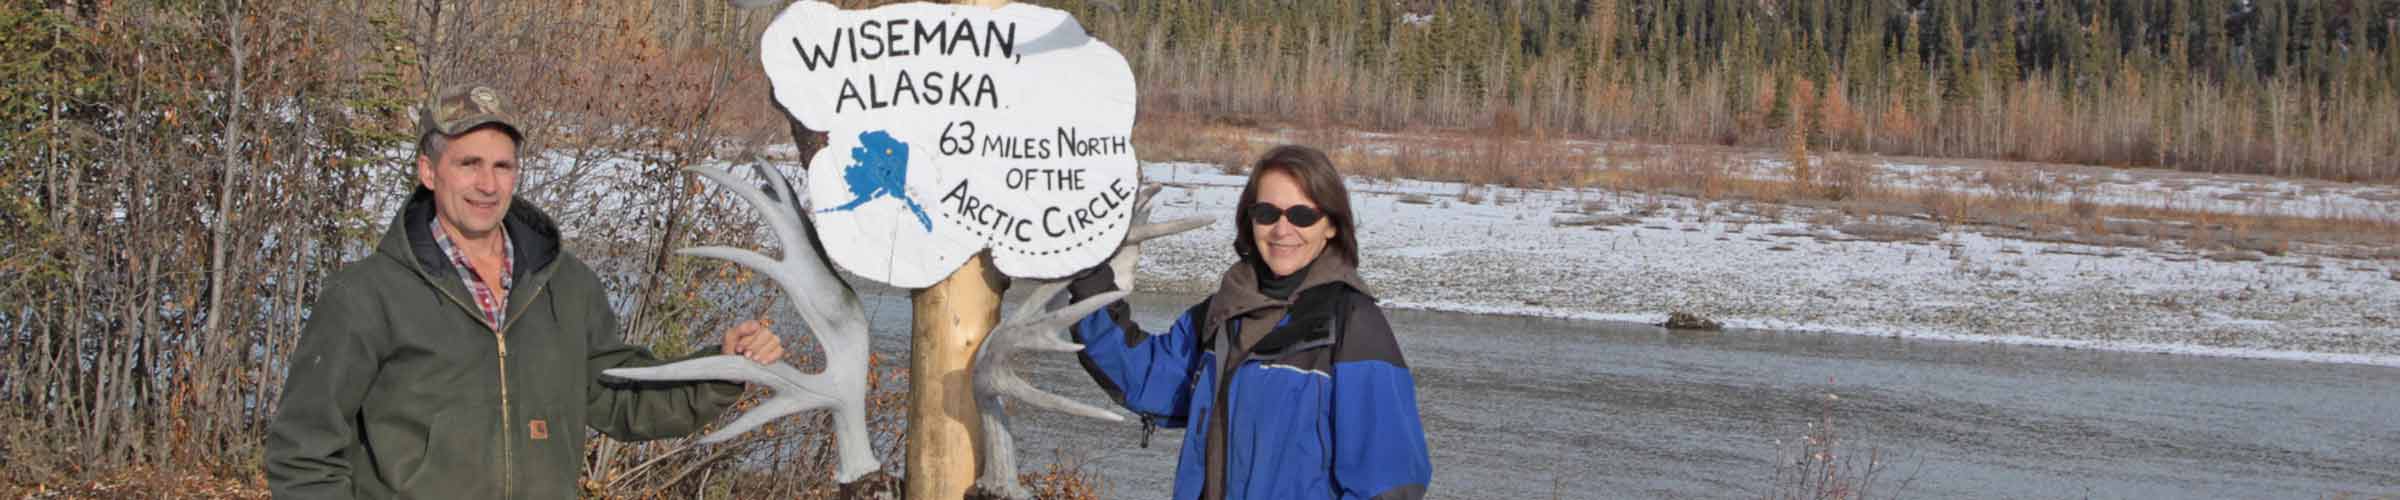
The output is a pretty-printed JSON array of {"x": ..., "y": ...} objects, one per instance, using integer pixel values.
[{"x": 1321, "y": 405}]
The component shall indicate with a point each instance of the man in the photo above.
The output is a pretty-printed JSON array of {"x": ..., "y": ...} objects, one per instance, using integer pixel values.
[{"x": 462, "y": 359}]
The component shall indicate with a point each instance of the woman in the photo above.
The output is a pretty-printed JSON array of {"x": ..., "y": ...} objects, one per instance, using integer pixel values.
[{"x": 1320, "y": 403}]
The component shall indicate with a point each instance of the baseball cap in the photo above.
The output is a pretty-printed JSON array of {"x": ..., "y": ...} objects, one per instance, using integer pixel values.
[{"x": 460, "y": 108}]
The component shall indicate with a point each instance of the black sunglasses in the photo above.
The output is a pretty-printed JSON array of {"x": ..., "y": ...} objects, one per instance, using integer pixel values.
[{"x": 1302, "y": 215}]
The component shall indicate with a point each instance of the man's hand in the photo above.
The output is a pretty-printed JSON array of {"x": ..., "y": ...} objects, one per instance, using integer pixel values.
[{"x": 753, "y": 340}]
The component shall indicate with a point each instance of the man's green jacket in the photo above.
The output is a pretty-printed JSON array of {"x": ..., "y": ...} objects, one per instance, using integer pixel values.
[{"x": 398, "y": 389}]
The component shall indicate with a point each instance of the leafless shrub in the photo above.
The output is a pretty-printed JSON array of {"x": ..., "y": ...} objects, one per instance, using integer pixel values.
[
  {"x": 1842, "y": 177},
  {"x": 1945, "y": 205},
  {"x": 2019, "y": 184},
  {"x": 2081, "y": 204},
  {"x": 1825, "y": 466},
  {"x": 2260, "y": 245},
  {"x": 1826, "y": 218}
]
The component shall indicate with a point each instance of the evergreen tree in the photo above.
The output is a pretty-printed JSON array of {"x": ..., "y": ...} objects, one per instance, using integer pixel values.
[
  {"x": 2004, "y": 59},
  {"x": 1953, "y": 58}
]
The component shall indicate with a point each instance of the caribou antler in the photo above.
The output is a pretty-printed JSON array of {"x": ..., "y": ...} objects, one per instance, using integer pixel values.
[
  {"x": 833, "y": 314},
  {"x": 1031, "y": 329}
]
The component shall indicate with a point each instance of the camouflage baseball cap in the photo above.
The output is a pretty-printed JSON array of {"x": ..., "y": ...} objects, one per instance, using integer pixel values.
[{"x": 460, "y": 108}]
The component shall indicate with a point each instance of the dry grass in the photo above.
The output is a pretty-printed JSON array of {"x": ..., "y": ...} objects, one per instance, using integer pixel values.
[
  {"x": 148, "y": 482},
  {"x": 1494, "y": 156},
  {"x": 1065, "y": 478},
  {"x": 1230, "y": 146}
]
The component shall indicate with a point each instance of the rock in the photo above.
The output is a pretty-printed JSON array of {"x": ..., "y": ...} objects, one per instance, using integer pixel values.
[
  {"x": 2236, "y": 256},
  {"x": 1680, "y": 320}
]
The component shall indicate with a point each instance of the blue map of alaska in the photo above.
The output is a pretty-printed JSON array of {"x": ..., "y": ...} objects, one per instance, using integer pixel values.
[{"x": 879, "y": 169}]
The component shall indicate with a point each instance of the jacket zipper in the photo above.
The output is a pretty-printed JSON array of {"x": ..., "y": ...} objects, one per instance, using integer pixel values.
[
  {"x": 508, "y": 460},
  {"x": 508, "y": 464}
]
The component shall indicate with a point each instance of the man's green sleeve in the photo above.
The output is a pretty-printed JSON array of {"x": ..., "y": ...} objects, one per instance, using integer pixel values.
[
  {"x": 309, "y": 442},
  {"x": 629, "y": 410}
]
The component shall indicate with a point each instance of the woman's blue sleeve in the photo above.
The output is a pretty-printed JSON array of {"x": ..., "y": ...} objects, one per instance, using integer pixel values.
[{"x": 1149, "y": 374}]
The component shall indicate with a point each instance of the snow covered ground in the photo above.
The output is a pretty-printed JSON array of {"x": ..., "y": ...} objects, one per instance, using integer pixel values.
[
  {"x": 1637, "y": 258},
  {"x": 1630, "y": 257}
]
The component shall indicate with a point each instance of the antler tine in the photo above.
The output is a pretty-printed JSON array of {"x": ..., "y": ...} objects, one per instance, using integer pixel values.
[
  {"x": 1044, "y": 291},
  {"x": 780, "y": 188},
  {"x": 1149, "y": 190},
  {"x": 1143, "y": 230},
  {"x": 792, "y": 397},
  {"x": 791, "y": 231},
  {"x": 741, "y": 257},
  {"x": 1129, "y": 253},
  {"x": 1050, "y": 323}
]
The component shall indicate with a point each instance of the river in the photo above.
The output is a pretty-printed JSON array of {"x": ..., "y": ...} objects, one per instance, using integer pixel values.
[{"x": 1520, "y": 407}]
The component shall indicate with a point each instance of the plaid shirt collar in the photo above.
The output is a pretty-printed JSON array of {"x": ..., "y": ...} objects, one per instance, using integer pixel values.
[{"x": 493, "y": 309}]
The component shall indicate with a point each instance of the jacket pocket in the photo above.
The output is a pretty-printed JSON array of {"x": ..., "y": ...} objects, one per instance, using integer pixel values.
[
  {"x": 460, "y": 451},
  {"x": 410, "y": 450}
]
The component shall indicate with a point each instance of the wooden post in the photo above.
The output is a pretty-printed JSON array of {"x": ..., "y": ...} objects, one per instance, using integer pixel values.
[
  {"x": 943, "y": 421},
  {"x": 952, "y": 318}
]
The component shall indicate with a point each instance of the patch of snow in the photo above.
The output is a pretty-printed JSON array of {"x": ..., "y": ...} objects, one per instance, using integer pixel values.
[{"x": 1787, "y": 275}]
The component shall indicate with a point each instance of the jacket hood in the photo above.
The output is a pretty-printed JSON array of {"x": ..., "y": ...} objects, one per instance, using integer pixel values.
[{"x": 409, "y": 237}]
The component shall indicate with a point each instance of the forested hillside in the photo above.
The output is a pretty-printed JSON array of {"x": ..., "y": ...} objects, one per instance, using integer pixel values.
[{"x": 2282, "y": 87}]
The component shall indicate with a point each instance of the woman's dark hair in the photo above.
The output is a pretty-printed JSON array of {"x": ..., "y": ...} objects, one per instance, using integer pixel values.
[{"x": 1318, "y": 180}]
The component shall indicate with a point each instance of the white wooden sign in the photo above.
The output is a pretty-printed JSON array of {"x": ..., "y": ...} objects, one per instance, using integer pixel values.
[{"x": 953, "y": 129}]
